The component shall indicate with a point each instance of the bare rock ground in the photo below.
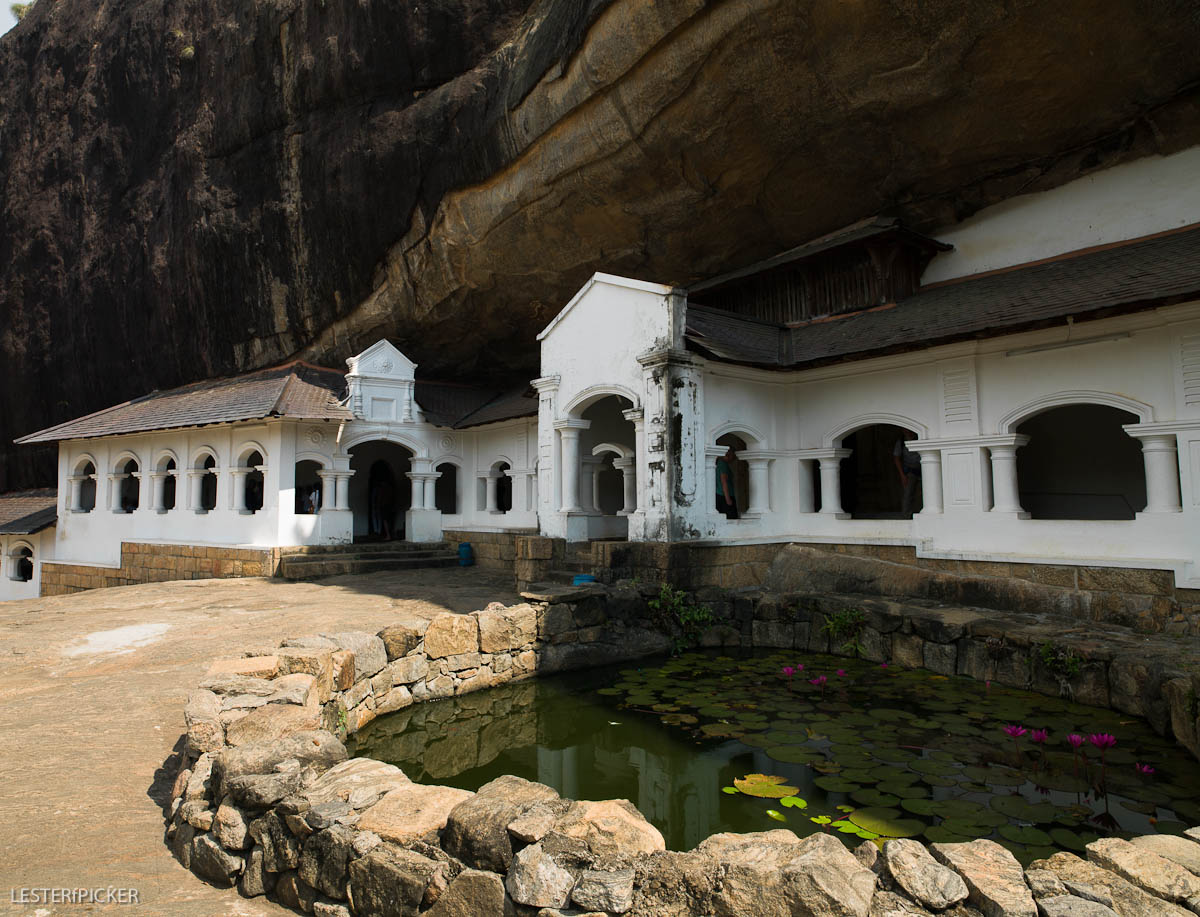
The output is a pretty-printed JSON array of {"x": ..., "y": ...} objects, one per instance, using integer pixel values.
[{"x": 92, "y": 690}]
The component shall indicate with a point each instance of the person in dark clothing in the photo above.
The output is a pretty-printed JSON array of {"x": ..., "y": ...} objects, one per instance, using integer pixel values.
[
  {"x": 726, "y": 495},
  {"x": 908, "y": 465}
]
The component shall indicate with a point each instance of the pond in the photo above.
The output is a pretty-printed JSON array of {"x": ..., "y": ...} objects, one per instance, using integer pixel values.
[{"x": 708, "y": 742}]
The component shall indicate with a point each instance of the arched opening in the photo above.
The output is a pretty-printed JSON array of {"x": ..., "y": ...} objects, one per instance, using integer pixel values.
[
  {"x": 445, "y": 490},
  {"x": 881, "y": 478},
  {"x": 169, "y": 483},
  {"x": 499, "y": 484},
  {"x": 87, "y": 487},
  {"x": 380, "y": 491},
  {"x": 308, "y": 487},
  {"x": 607, "y": 483},
  {"x": 21, "y": 559},
  {"x": 254, "y": 481},
  {"x": 1080, "y": 464},
  {"x": 129, "y": 486},
  {"x": 208, "y": 484},
  {"x": 732, "y": 477}
]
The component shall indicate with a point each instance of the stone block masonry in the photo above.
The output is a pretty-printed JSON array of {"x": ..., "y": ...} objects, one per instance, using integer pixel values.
[
  {"x": 266, "y": 797},
  {"x": 156, "y": 563}
]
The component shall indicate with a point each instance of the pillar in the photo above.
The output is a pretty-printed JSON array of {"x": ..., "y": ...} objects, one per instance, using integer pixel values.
[
  {"x": 831, "y": 481},
  {"x": 239, "y": 489},
  {"x": 760, "y": 485},
  {"x": 329, "y": 481},
  {"x": 158, "y": 498},
  {"x": 490, "y": 505},
  {"x": 195, "y": 488},
  {"x": 430, "y": 491},
  {"x": 807, "y": 499},
  {"x": 1159, "y": 453},
  {"x": 418, "y": 491},
  {"x": 931, "y": 482},
  {"x": 342, "y": 492},
  {"x": 1006, "y": 496},
  {"x": 638, "y": 469},
  {"x": 628, "y": 484},
  {"x": 570, "y": 470},
  {"x": 76, "y": 505},
  {"x": 589, "y": 484},
  {"x": 114, "y": 492}
]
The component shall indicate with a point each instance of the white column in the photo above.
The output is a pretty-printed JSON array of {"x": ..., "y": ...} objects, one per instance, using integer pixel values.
[
  {"x": 760, "y": 485},
  {"x": 931, "y": 482},
  {"x": 570, "y": 470},
  {"x": 628, "y": 484},
  {"x": 159, "y": 482},
  {"x": 76, "y": 504},
  {"x": 1160, "y": 455},
  {"x": 418, "y": 491},
  {"x": 637, "y": 417},
  {"x": 589, "y": 485},
  {"x": 531, "y": 485},
  {"x": 1006, "y": 496},
  {"x": 195, "y": 486},
  {"x": 491, "y": 506},
  {"x": 831, "y": 481},
  {"x": 342, "y": 492},
  {"x": 114, "y": 492},
  {"x": 430, "y": 491},
  {"x": 239, "y": 489},
  {"x": 329, "y": 480}
]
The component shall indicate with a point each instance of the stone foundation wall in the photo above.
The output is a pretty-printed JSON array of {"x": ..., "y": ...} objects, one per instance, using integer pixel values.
[
  {"x": 493, "y": 550},
  {"x": 265, "y": 796},
  {"x": 156, "y": 563}
]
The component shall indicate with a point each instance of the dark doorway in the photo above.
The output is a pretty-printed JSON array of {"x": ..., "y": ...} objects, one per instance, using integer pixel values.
[
  {"x": 741, "y": 472},
  {"x": 1080, "y": 464},
  {"x": 380, "y": 491},
  {"x": 445, "y": 490},
  {"x": 872, "y": 487},
  {"x": 308, "y": 488}
]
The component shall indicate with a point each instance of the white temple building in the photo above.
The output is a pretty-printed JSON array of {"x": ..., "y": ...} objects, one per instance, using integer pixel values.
[{"x": 1041, "y": 360}]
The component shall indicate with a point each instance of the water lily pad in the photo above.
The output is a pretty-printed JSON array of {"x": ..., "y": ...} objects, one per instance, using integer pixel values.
[
  {"x": 765, "y": 786},
  {"x": 1022, "y": 810},
  {"x": 835, "y": 785},
  {"x": 1070, "y": 840},
  {"x": 731, "y": 790},
  {"x": 776, "y": 814},
  {"x": 794, "y": 754},
  {"x": 887, "y": 822},
  {"x": 939, "y": 834},
  {"x": 720, "y": 730},
  {"x": 794, "y": 802},
  {"x": 937, "y": 768},
  {"x": 903, "y": 790},
  {"x": 967, "y": 828},
  {"x": 1026, "y": 835},
  {"x": 919, "y": 806},
  {"x": 870, "y": 797}
]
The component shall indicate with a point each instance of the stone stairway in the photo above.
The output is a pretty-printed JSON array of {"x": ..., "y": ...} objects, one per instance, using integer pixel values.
[{"x": 315, "y": 561}]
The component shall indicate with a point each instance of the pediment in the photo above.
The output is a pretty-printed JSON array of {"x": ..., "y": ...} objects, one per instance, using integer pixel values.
[{"x": 382, "y": 361}]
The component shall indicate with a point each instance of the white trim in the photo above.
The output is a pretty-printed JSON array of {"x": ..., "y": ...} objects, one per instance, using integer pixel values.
[
  {"x": 199, "y": 451},
  {"x": 161, "y": 459},
  {"x": 619, "y": 450},
  {"x": 448, "y": 458},
  {"x": 742, "y": 430},
  {"x": 322, "y": 460},
  {"x": 249, "y": 446},
  {"x": 611, "y": 280},
  {"x": 1010, "y": 421},
  {"x": 82, "y": 460},
  {"x": 585, "y": 398},
  {"x": 123, "y": 456},
  {"x": 834, "y": 437},
  {"x": 381, "y": 434}
]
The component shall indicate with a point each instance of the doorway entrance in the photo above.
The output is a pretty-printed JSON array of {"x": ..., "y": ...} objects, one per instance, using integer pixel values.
[{"x": 380, "y": 491}]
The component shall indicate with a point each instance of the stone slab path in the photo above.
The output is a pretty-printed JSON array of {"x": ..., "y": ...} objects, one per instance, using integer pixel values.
[{"x": 92, "y": 688}]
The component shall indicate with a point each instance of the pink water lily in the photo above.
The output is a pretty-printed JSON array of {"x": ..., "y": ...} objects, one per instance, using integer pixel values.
[
  {"x": 1102, "y": 740},
  {"x": 1039, "y": 735},
  {"x": 1144, "y": 769},
  {"x": 1015, "y": 731},
  {"x": 788, "y": 671},
  {"x": 819, "y": 680},
  {"x": 841, "y": 673},
  {"x": 1076, "y": 740},
  {"x": 883, "y": 665}
]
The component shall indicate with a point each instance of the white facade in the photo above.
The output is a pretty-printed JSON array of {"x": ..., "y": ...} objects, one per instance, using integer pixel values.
[{"x": 13, "y": 548}]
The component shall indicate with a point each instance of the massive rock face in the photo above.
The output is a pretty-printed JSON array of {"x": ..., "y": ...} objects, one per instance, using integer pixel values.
[{"x": 192, "y": 189}]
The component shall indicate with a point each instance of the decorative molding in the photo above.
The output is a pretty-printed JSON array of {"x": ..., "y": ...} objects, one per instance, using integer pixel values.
[
  {"x": 1189, "y": 369},
  {"x": 1010, "y": 421}
]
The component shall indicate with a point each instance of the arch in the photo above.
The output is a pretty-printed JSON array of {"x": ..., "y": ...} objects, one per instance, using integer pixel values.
[
  {"x": 82, "y": 462},
  {"x": 123, "y": 457},
  {"x": 200, "y": 454},
  {"x": 752, "y": 437},
  {"x": 415, "y": 446},
  {"x": 164, "y": 458},
  {"x": 593, "y": 393},
  {"x": 247, "y": 449},
  {"x": 833, "y": 438},
  {"x": 21, "y": 555},
  {"x": 500, "y": 460},
  {"x": 1013, "y": 419},
  {"x": 322, "y": 460},
  {"x": 880, "y": 478},
  {"x": 620, "y": 451}
]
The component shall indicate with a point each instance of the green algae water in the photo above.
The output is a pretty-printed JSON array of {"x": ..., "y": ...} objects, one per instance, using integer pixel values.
[{"x": 707, "y": 742}]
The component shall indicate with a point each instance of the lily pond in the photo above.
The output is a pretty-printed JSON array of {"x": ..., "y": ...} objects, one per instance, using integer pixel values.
[{"x": 707, "y": 742}]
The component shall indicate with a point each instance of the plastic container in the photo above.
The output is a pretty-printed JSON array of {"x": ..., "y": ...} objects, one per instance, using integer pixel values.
[
  {"x": 582, "y": 579},
  {"x": 466, "y": 554}
]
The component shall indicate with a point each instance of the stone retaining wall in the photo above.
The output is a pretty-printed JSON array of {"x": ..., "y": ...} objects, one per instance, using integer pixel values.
[
  {"x": 493, "y": 550},
  {"x": 266, "y": 797},
  {"x": 156, "y": 563}
]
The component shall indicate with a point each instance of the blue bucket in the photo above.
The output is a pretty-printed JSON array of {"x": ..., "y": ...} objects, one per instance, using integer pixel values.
[
  {"x": 466, "y": 554},
  {"x": 582, "y": 579}
]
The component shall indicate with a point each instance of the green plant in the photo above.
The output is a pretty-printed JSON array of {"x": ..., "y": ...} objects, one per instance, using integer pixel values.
[
  {"x": 674, "y": 611},
  {"x": 1059, "y": 660},
  {"x": 844, "y": 628},
  {"x": 342, "y": 722}
]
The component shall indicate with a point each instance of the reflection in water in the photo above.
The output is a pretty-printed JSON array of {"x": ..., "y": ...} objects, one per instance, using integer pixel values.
[{"x": 557, "y": 734}]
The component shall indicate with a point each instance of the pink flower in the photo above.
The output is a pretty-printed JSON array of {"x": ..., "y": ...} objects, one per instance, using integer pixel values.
[
  {"x": 1039, "y": 735},
  {"x": 1075, "y": 739},
  {"x": 1144, "y": 769},
  {"x": 841, "y": 673},
  {"x": 799, "y": 666},
  {"x": 819, "y": 680},
  {"x": 883, "y": 665},
  {"x": 788, "y": 671},
  {"x": 1102, "y": 740},
  {"x": 1015, "y": 731}
]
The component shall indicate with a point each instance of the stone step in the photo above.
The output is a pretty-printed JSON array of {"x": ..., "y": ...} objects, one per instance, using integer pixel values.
[
  {"x": 367, "y": 547},
  {"x": 301, "y": 567}
]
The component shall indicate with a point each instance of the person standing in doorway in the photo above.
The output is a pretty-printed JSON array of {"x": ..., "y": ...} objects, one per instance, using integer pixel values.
[
  {"x": 908, "y": 465},
  {"x": 726, "y": 497}
]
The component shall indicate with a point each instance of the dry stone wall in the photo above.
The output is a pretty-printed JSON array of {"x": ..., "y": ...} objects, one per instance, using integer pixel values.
[
  {"x": 158, "y": 563},
  {"x": 267, "y": 798}
]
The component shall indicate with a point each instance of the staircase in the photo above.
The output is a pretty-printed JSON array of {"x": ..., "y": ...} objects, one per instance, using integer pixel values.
[{"x": 315, "y": 561}]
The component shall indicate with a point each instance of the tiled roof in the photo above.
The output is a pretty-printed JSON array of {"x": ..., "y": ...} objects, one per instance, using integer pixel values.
[
  {"x": 445, "y": 403},
  {"x": 26, "y": 512},
  {"x": 297, "y": 390},
  {"x": 1139, "y": 274},
  {"x": 517, "y": 402}
]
